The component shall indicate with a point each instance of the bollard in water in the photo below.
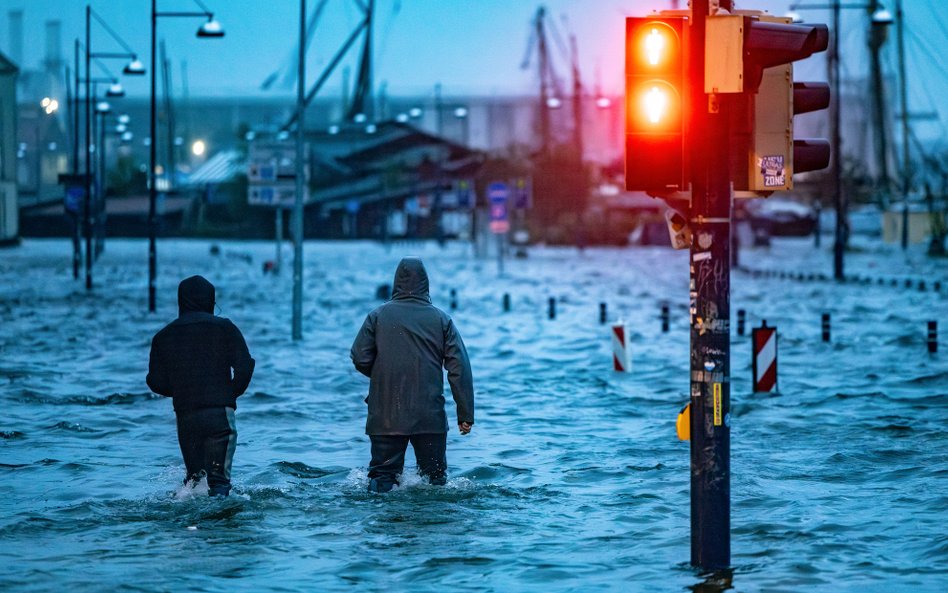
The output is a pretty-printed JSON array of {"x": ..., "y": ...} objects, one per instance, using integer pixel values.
[
  {"x": 741, "y": 320},
  {"x": 552, "y": 308},
  {"x": 454, "y": 299},
  {"x": 908, "y": 283},
  {"x": 826, "y": 327},
  {"x": 921, "y": 286},
  {"x": 764, "y": 358},
  {"x": 665, "y": 318},
  {"x": 506, "y": 302},
  {"x": 932, "y": 337},
  {"x": 602, "y": 314},
  {"x": 936, "y": 286},
  {"x": 620, "y": 348}
]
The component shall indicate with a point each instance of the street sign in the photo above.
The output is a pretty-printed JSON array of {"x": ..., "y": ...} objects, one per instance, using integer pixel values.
[
  {"x": 497, "y": 195},
  {"x": 465, "y": 193},
  {"x": 271, "y": 175}
]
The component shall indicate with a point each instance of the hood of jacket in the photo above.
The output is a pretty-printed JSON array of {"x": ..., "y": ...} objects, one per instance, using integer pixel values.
[
  {"x": 411, "y": 280},
  {"x": 195, "y": 295}
]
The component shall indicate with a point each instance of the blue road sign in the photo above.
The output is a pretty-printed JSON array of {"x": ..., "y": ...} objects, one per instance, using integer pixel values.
[{"x": 497, "y": 194}]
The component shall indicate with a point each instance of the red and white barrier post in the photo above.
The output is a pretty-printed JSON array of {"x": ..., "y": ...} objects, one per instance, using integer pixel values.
[
  {"x": 620, "y": 348},
  {"x": 764, "y": 340}
]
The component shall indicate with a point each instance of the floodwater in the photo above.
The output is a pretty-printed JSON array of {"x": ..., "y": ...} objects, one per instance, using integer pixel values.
[{"x": 572, "y": 480}]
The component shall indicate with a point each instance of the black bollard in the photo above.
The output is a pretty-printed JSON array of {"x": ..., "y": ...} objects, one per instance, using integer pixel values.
[
  {"x": 908, "y": 283},
  {"x": 741, "y": 320},
  {"x": 921, "y": 286},
  {"x": 826, "y": 327},
  {"x": 506, "y": 302},
  {"x": 936, "y": 286},
  {"x": 932, "y": 337},
  {"x": 602, "y": 314},
  {"x": 665, "y": 318},
  {"x": 454, "y": 299},
  {"x": 552, "y": 308}
]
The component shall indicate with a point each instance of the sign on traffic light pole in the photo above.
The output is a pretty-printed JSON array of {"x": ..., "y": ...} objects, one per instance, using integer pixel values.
[{"x": 709, "y": 108}]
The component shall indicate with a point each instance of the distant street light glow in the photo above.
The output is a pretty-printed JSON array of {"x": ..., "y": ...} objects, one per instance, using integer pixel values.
[
  {"x": 198, "y": 148},
  {"x": 603, "y": 103}
]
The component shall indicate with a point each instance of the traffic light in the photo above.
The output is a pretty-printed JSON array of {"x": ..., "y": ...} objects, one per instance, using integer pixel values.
[
  {"x": 765, "y": 154},
  {"x": 655, "y": 103}
]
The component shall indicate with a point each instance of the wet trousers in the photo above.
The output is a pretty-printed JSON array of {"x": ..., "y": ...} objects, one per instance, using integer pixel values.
[
  {"x": 208, "y": 437},
  {"x": 388, "y": 459}
]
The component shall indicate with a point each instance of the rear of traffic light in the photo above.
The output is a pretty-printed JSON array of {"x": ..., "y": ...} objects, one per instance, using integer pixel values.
[
  {"x": 765, "y": 154},
  {"x": 655, "y": 104}
]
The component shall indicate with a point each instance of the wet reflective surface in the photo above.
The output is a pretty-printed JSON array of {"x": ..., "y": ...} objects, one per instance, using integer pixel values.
[{"x": 572, "y": 479}]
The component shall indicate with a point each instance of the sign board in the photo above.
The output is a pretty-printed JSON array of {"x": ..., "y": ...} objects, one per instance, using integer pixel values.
[
  {"x": 278, "y": 196},
  {"x": 271, "y": 174},
  {"x": 465, "y": 193},
  {"x": 497, "y": 195}
]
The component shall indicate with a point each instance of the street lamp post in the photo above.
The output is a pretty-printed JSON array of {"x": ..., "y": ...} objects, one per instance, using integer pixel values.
[
  {"x": 134, "y": 68},
  {"x": 210, "y": 29}
]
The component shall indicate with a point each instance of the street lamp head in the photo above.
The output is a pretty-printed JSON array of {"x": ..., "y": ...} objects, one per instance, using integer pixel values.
[
  {"x": 414, "y": 112},
  {"x": 134, "y": 68},
  {"x": 460, "y": 112},
  {"x": 211, "y": 28},
  {"x": 603, "y": 103},
  {"x": 401, "y": 118},
  {"x": 124, "y": 119},
  {"x": 115, "y": 90},
  {"x": 50, "y": 106},
  {"x": 554, "y": 103},
  {"x": 882, "y": 17},
  {"x": 103, "y": 107},
  {"x": 127, "y": 137}
]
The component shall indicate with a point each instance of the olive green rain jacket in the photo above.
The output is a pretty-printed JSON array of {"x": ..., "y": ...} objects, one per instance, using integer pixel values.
[{"x": 402, "y": 347}]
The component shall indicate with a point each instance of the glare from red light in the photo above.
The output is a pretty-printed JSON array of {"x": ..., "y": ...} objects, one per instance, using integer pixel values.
[{"x": 654, "y": 44}]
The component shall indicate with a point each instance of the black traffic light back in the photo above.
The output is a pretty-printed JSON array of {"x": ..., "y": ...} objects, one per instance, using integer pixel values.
[{"x": 768, "y": 44}]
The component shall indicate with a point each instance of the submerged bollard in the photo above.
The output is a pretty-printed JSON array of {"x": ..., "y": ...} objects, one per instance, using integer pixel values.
[
  {"x": 454, "y": 299},
  {"x": 620, "y": 347},
  {"x": 764, "y": 358},
  {"x": 936, "y": 286},
  {"x": 921, "y": 286},
  {"x": 506, "y": 302},
  {"x": 741, "y": 320},
  {"x": 932, "y": 337},
  {"x": 665, "y": 318},
  {"x": 552, "y": 308},
  {"x": 602, "y": 314},
  {"x": 825, "y": 323}
]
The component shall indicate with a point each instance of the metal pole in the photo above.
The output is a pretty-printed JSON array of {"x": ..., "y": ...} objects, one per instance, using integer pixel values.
[
  {"x": 500, "y": 254},
  {"x": 298, "y": 203},
  {"x": 87, "y": 199},
  {"x": 279, "y": 239},
  {"x": 903, "y": 98},
  {"x": 152, "y": 163},
  {"x": 710, "y": 316},
  {"x": 839, "y": 246},
  {"x": 76, "y": 232}
]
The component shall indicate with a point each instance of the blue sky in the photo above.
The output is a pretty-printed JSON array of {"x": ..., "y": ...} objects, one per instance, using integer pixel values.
[{"x": 469, "y": 46}]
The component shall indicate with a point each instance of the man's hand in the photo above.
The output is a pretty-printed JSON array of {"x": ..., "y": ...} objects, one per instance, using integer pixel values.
[{"x": 465, "y": 427}]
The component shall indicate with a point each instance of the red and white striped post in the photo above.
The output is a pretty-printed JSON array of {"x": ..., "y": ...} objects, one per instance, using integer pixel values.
[
  {"x": 620, "y": 348},
  {"x": 764, "y": 340}
]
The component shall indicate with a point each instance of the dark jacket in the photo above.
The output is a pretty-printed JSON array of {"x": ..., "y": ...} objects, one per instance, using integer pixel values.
[
  {"x": 193, "y": 356},
  {"x": 402, "y": 348}
]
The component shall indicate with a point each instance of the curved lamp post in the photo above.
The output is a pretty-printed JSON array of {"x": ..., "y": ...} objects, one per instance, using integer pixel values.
[{"x": 209, "y": 29}]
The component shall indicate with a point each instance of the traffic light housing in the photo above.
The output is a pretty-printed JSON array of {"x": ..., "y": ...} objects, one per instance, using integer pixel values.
[
  {"x": 655, "y": 103},
  {"x": 765, "y": 155}
]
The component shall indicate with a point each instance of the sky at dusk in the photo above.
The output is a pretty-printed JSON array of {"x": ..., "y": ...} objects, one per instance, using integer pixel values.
[{"x": 472, "y": 47}]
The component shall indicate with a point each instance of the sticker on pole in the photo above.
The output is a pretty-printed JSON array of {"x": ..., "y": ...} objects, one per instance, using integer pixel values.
[
  {"x": 773, "y": 171},
  {"x": 764, "y": 364},
  {"x": 497, "y": 195}
]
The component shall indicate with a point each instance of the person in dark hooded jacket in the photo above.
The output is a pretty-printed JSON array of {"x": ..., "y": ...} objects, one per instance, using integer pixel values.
[
  {"x": 201, "y": 361},
  {"x": 402, "y": 347}
]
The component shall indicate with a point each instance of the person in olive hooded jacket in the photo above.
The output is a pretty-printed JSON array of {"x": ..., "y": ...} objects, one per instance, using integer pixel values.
[
  {"x": 402, "y": 347},
  {"x": 201, "y": 361}
]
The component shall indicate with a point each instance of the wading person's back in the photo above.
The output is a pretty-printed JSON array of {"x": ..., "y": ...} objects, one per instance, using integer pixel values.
[
  {"x": 403, "y": 347},
  {"x": 201, "y": 361}
]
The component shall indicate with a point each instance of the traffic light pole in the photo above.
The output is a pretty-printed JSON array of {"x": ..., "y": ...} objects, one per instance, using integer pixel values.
[{"x": 711, "y": 197}]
